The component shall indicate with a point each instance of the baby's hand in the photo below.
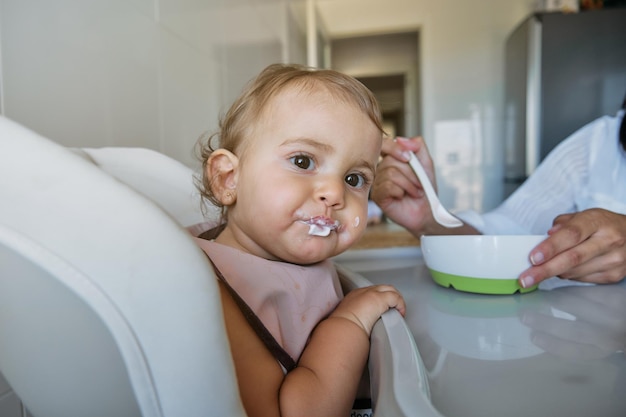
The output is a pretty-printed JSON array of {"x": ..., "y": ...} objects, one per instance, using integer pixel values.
[{"x": 364, "y": 306}]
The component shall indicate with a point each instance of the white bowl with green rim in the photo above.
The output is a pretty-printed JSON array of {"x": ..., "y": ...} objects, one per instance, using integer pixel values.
[{"x": 485, "y": 264}]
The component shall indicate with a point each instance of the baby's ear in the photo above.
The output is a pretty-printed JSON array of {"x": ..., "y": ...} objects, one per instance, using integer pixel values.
[{"x": 222, "y": 170}]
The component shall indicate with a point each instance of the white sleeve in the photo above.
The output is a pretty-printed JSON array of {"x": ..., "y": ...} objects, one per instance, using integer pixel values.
[{"x": 548, "y": 192}]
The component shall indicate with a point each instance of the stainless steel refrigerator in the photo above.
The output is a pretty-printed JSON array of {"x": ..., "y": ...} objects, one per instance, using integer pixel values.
[{"x": 561, "y": 72}]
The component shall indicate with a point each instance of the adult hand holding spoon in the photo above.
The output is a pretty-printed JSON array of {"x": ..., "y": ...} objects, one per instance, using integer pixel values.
[{"x": 441, "y": 215}]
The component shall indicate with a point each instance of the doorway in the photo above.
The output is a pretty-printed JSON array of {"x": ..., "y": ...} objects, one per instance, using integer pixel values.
[
  {"x": 388, "y": 64},
  {"x": 389, "y": 91}
]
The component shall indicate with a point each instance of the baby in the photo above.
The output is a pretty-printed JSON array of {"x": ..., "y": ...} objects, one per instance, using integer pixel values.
[{"x": 296, "y": 158}]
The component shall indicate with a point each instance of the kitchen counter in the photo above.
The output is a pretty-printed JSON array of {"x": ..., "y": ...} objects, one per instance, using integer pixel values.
[
  {"x": 554, "y": 353},
  {"x": 386, "y": 235}
]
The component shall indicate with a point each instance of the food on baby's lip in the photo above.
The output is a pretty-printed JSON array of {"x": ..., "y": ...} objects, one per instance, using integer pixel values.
[{"x": 321, "y": 226}]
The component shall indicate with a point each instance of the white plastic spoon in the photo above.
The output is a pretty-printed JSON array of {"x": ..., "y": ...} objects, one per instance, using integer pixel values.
[{"x": 441, "y": 215}]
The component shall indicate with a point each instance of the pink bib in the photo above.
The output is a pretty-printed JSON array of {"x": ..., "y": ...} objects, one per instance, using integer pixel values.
[{"x": 289, "y": 299}]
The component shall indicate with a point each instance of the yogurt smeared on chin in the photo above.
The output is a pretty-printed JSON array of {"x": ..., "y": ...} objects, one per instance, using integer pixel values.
[{"x": 321, "y": 226}]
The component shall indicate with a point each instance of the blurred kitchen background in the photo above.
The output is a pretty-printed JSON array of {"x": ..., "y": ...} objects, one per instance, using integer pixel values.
[{"x": 467, "y": 75}]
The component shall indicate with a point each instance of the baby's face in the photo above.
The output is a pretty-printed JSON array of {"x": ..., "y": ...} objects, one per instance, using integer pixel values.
[{"x": 303, "y": 182}]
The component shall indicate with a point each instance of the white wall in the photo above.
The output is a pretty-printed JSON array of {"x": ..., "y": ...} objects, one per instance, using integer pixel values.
[
  {"x": 462, "y": 66},
  {"x": 150, "y": 73},
  {"x": 157, "y": 73}
]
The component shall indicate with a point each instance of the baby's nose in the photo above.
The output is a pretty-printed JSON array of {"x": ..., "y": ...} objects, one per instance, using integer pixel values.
[{"x": 331, "y": 192}]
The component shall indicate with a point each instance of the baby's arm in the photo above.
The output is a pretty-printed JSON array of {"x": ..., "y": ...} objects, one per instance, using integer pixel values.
[
  {"x": 259, "y": 376},
  {"x": 330, "y": 368},
  {"x": 329, "y": 371}
]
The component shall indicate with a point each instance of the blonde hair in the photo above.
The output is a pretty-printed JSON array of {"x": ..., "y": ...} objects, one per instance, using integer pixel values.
[{"x": 240, "y": 120}]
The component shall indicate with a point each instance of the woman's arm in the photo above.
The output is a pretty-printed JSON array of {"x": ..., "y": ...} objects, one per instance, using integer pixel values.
[
  {"x": 563, "y": 197},
  {"x": 551, "y": 190}
]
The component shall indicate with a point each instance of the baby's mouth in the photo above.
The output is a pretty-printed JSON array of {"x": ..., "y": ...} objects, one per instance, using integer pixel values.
[{"x": 321, "y": 226}]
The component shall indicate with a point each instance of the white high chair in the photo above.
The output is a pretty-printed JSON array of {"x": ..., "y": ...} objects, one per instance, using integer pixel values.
[
  {"x": 162, "y": 179},
  {"x": 398, "y": 380},
  {"x": 107, "y": 307},
  {"x": 153, "y": 260}
]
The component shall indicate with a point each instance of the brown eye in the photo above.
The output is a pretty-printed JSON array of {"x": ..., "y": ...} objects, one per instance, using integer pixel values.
[
  {"x": 302, "y": 162},
  {"x": 355, "y": 180}
]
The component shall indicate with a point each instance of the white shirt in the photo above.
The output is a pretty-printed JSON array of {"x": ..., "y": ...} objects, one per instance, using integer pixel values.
[{"x": 586, "y": 170}]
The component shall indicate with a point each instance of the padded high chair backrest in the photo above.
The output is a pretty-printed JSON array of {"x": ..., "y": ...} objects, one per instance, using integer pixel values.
[
  {"x": 162, "y": 179},
  {"x": 107, "y": 306}
]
